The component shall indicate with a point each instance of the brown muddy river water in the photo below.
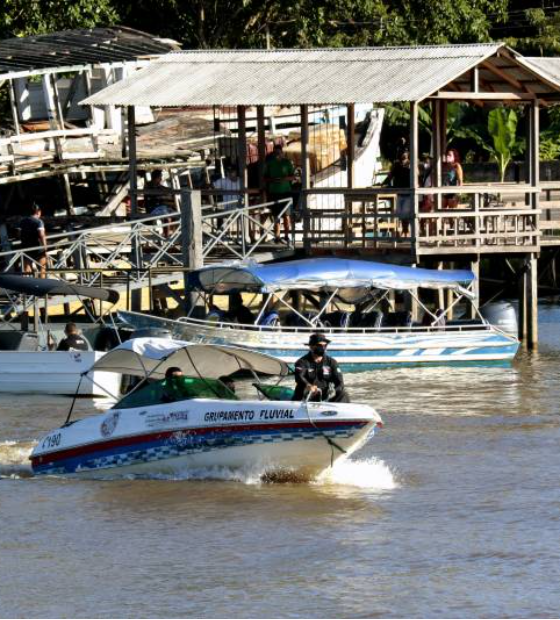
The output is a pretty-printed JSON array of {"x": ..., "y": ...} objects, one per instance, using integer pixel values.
[{"x": 452, "y": 510}]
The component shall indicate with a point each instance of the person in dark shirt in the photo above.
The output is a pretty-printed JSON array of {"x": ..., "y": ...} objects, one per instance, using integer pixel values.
[
  {"x": 316, "y": 373},
  {"x": 238, "y": 312},
  {"x": 73, "y": 340},
  {"x": 32, "y": 235}
]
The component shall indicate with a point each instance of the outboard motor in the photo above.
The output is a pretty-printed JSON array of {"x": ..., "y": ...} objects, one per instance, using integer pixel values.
[
  {"x": 501, "y": 314},
  {"x": 151, "y": 332}
]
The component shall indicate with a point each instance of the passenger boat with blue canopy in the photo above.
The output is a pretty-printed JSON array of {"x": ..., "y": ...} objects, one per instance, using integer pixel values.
[
  {"x": 355, "y": 302},
  {"x": 195, "y": 421}
]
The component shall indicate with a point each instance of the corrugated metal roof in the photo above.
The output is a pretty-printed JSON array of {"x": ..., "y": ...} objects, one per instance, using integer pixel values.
[
  {"x": 547, "y": 67},
  {"x": 290, "y": 77},
  {"x": 79, "y": 47}
]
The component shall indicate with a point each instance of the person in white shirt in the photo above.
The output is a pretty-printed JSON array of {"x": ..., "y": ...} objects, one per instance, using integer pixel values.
[
  {"x": 231, "y": 202},
  {"x": 230, "y": 183}
]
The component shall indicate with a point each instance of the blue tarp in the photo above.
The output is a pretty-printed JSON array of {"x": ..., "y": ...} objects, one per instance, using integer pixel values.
[{"x": 324, "y": 273}]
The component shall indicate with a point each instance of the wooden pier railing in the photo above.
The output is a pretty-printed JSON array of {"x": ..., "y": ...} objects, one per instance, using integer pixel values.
[{"x": 490, "y": 219}]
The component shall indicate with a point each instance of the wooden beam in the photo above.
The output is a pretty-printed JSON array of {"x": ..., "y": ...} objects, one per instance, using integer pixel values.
[
  {"x": 261, "y": 146},
  {"x": 305, "y": 176},
  {"x": 414, "y": 168},
  {"x": 531, "y": 282},
  {"x": 454, "y": 96},
  {"x": 132, "y": 162},
  {"x": 350, "y": 144},
  {"x": 504, "y": 76}
]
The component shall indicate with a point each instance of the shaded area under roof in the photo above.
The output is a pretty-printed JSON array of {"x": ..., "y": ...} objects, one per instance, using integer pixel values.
[
  {"x": 79, "y": 47},
  {"x": 315, "y": 77}
]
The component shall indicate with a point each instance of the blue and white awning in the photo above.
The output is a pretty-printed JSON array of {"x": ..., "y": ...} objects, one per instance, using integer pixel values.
[{"x": 324, "y": 274}]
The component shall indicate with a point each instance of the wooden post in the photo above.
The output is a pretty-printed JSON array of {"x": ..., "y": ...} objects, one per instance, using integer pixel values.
[
  {"x": 14, "y": 107},
  {"x": 522, "y": 313},
  {"x": 414, "y": 173},
  {"x": 350, "y": 144},
  {"x": 242, "y": 164},
  {"x": 191, "y": 237},
  {"x": 475, "y": 302},
  {"x": 305, "y": 177},
  {"x": 261, "y": 146},
  {"x": 535, "y": 160},
  {"x": 440, "y": 291},
  {"x": 132, "y": 162},
  {"x": 531, "y": 282}
]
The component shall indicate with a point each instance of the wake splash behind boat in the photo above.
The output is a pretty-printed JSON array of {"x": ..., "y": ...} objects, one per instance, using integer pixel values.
[{"x": 369, "y": 474}]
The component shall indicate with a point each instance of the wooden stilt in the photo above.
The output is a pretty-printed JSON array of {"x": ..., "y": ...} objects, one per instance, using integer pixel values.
[
  {"x": 242, "y": 163},
  {"x": 531, "y": 283},
  {"x": 132, "y": 163},
  {"x": 191, "y": 237},
  {"x": 522, "y": 312},
  {"x": 261, "y": 146},
  {"x": 414, "y": 175},
  {"x": 305, "y": 176},
  {"x": 475, "y": 302}
]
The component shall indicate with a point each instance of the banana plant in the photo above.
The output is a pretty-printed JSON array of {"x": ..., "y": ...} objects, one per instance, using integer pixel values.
[{"x": 502, "y": 127}]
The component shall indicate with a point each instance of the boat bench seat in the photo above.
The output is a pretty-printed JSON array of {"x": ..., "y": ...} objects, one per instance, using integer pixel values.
[{"x": 17, "y": 340}]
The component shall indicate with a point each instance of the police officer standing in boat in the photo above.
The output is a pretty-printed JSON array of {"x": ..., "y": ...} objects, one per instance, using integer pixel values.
[{"x": 317, "y": 372}]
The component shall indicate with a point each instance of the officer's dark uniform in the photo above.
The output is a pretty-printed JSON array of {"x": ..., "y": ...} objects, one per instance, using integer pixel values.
[
  {"x": 323, "y": 374},
  {"x": 73, "y": 342}
]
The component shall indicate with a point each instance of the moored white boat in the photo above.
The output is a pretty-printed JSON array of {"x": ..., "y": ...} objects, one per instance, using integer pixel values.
[
  {"x": 28, "y": 365},
  {"x": 54, "y": 373},
  {"x": 143, "y": 435}
]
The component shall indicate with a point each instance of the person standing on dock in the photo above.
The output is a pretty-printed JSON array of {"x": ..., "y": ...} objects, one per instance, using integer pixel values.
[
  {"x": 399, "y": 178},
  {"x": 278, "y": 175},
  {"x": 157, "y": 200},
  {"x": 34, "y": 242},
  {"x": 316, "y": 373}
]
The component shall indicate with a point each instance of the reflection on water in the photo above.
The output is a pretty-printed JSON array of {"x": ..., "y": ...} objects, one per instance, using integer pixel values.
[{"x": 452, "y": 510}]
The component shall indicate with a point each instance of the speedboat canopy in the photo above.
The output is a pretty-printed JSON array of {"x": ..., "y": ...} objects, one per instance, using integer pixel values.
[
  {"x": 153, "y": 356},
  {"x": 324, "y": 274},
  {"x": 42, "y": 287}
]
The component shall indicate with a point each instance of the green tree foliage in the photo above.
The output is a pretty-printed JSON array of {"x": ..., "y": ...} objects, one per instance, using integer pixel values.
[
  {"x": 313, "y": 23},
  {"x": 20, "y": 18},
  {"x": 533, "y": 28}
]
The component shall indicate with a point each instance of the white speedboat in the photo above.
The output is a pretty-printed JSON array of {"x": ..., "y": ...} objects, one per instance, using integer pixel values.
[{"x": 207, "y": 426}]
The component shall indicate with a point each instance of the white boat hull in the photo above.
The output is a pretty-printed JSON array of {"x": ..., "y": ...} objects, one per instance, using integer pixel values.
[
  {"x": 271, "y": 436},
  {"x": 54, "y": 372},
  {"x": 353, "y": 348}
]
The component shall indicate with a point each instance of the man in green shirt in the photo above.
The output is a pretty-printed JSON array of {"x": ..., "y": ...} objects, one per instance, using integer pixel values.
[{"x": 278, "y": 175}]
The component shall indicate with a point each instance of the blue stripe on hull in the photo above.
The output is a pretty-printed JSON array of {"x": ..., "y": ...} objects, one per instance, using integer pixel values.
[{"x": 476, "y": 355}]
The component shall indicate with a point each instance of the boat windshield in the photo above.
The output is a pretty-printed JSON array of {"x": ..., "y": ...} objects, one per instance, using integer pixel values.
[{"x": 176, "y": 389}]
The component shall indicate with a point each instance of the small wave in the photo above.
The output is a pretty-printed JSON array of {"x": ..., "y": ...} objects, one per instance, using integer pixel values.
[
  {"x": 370, "y": 473},
  {"x": 14, "y": 459}
]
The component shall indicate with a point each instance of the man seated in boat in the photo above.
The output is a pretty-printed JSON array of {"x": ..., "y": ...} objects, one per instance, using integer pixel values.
[
  {"x": 176, "y": 387},
  {"x": 317, "y": 374},
  {"x": 239, "y": 313},
  {"x": 73, "y": 340}
]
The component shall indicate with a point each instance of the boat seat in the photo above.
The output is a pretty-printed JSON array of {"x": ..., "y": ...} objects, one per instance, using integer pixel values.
[
  {"x": 397, "y": 319},
  {"x": 272, "y": 319},
  {"x": 274, "y": 392},
  {"x": 17, "y": 340},
  {"x": 367, "y": 319},
  {"x": 337, "y": 319}
]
